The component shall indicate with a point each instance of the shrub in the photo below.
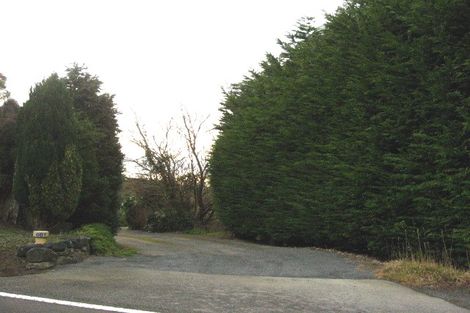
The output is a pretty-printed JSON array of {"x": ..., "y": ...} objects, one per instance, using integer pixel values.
[
  {"x": 167, "y": 221},
  {"x": 136, "y": 213},
  {"x": 102, "y": 240}
]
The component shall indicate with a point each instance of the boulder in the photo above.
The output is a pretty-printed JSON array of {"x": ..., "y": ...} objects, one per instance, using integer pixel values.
[
  {"x": 56, "y": 246},
  {"x": 38, "y": 255},
  {"x": 21, "y": 251},
  {"x": 68, "y": 243}
]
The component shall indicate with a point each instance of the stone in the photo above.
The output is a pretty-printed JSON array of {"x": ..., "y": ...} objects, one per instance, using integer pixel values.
[
  {"x": 56, "y": 246},
  {"x": 68, "y": 243},
  {"x": 64, "y": 253},
  {"x": 21, "y": 251},
  {"x": 38, "y": 255},
  {"x": 40, "y": 265},
  {"x": 70, "y": 259}
]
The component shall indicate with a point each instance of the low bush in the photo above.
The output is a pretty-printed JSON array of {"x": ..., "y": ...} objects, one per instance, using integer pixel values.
[
  {"x": 102, "y": 240},
  {"x": 168, "y": 220},
  {"x": 135, "y": 212}
]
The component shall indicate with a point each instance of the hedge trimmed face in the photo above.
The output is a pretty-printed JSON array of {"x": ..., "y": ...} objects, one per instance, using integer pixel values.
[{"x": 355, "y": 136}]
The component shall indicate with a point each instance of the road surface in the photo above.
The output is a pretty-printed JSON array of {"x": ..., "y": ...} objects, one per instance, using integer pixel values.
[{"x": 182, "y": 273}]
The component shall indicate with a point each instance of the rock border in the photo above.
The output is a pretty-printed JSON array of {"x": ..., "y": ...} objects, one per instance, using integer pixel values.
[{"x": 41, "y": 257}]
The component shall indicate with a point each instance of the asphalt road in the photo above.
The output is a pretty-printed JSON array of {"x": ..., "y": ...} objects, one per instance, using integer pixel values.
[
  {"x": 23, "y": 306},
  {"x": 181, "y": 273}
]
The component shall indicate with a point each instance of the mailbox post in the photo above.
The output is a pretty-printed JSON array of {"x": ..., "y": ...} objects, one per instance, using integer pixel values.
[{"x": 40, "y": 236}]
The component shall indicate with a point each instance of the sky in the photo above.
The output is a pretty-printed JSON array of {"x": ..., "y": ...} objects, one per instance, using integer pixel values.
[{"x": 158, "y": 58}]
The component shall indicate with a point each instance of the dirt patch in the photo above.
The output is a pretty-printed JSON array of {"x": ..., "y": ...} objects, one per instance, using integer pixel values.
[
  {"x": 10, "y": 238},
  {"x": 10, "y": 265}
]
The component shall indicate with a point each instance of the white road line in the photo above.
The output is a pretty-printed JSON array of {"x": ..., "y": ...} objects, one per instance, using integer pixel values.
[{"x": 73, "y": 304}]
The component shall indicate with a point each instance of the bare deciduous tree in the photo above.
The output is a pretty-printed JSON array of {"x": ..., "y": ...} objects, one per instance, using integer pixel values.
[
  {"x": 161, "y": 163},
  {"x": 180, "y": 177},
  {"x": 199, "y": 166}
]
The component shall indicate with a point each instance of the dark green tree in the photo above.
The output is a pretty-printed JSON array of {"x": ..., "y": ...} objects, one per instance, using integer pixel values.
[
  {"x": 68, "y": 176},
  {"x": 99, "y": 148},
  {"x": 48, "y": 174},
  {"x": 356, "y": 136},
  {"x": 8, "y": 115}
]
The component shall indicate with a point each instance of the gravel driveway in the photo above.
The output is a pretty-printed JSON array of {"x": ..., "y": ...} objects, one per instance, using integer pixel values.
[
  {"x": 182, "y": 273},
  {"x": 198, "y": 254}
]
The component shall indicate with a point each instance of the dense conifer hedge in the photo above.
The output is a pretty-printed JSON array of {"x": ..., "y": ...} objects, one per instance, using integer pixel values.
[{"x": 356, "y": 136}]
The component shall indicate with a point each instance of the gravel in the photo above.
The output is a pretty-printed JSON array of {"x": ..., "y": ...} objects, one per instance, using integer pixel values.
[{"x": 183, "y": 273}]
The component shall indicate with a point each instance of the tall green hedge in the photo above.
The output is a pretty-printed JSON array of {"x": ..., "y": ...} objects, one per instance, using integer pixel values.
[{"x": 356, "y": 136}]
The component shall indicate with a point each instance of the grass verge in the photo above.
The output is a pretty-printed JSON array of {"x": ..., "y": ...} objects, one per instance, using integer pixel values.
[
  {"x": 209, "y": 233},
  {"x": 425, "y": 274}
]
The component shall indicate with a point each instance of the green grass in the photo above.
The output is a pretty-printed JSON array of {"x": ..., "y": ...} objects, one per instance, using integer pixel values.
[
  {"x": 103, "y": 242},
  {"x": 424, "y": 273},
  {"x": 209, "y": 233},
  {"x": 148, "y": 239},
  {"x": 11, "y": 237}
]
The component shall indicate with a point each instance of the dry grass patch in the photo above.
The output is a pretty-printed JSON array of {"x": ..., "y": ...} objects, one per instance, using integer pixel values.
[{"x": 424, "y": 274}]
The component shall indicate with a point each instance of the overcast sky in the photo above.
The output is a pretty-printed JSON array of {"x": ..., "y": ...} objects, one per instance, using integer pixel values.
[{"x": 157, "y": 57}]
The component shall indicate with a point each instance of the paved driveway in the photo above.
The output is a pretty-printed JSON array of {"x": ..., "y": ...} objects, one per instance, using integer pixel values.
[{"x": 181, "y": 273}]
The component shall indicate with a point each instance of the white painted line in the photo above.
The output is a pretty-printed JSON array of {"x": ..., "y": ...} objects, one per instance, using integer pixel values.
[{"x": 73, "y": 304}]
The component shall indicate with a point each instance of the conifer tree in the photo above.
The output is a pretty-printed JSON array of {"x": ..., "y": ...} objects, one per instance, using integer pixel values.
[
  {"x": 48, "y": 174},
  {"x": 99, "y": 147},
  {"x": 8, "y": 115}
]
